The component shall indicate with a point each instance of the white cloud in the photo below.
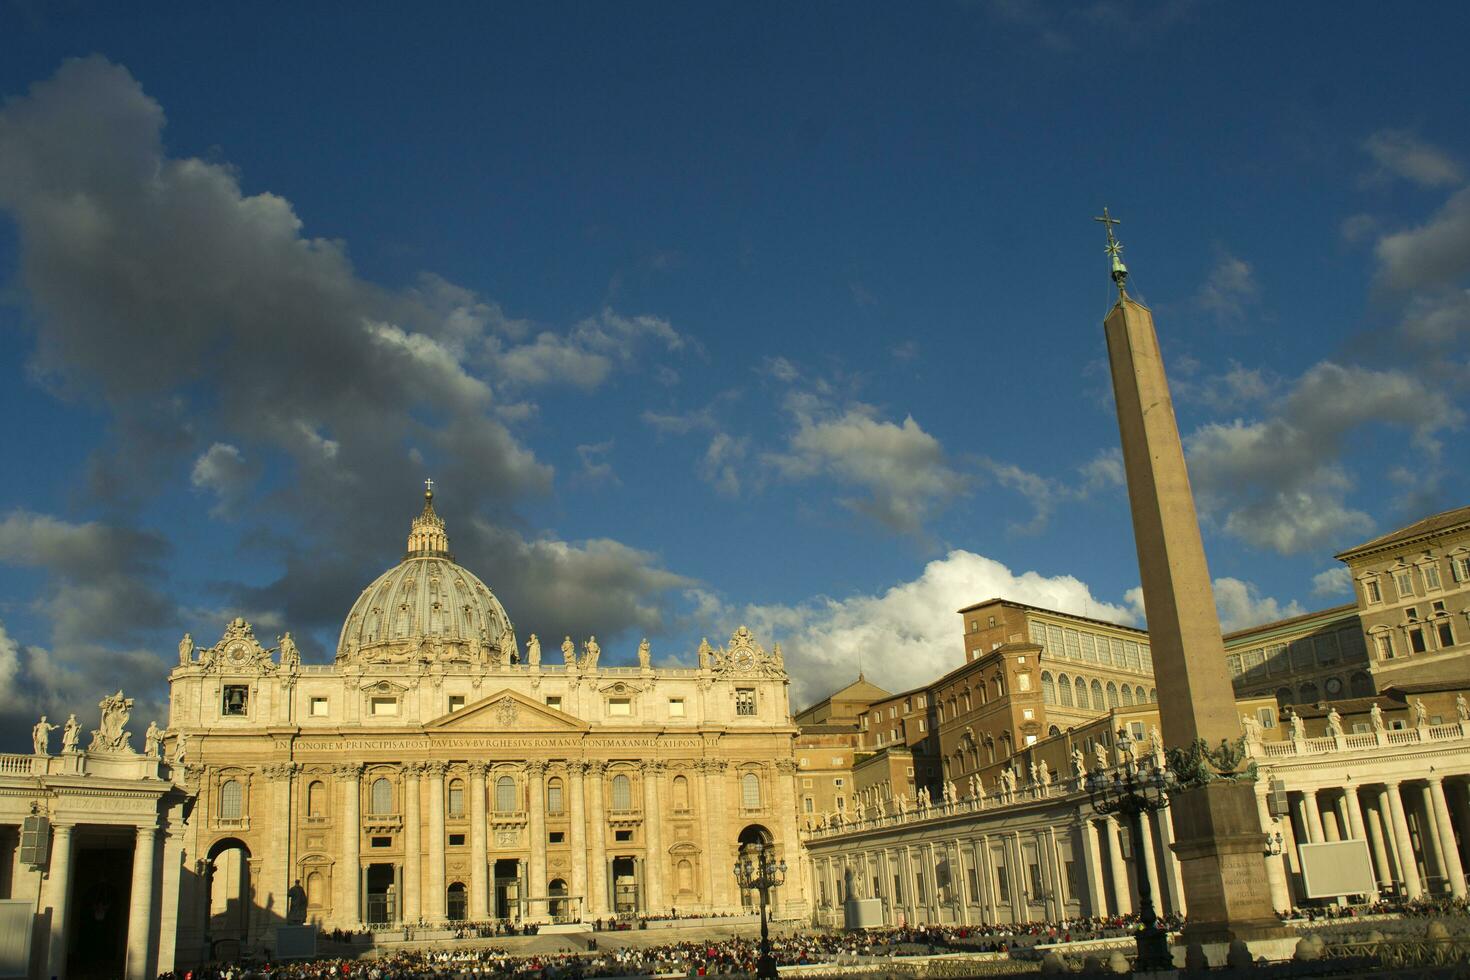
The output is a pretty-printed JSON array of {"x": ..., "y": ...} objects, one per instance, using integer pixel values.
[
  {"x": 586, "y": 355},
  {"x": 1045, "y": 494},
  {"x": 11, "y": 697},
  {"x": 1435, "y": 253},
  {"x": 1230, "y": 288},
  {"x": 1241, "y": 605},
  {"x": 911, "y": 633},
  {"x": 723, "y": 463},
  {"x": 595, "y": 465},
  {"x": 1399, "y": 153},
  {"x": 223, "y": 470},
  {"x": 1334, "y": 581}
]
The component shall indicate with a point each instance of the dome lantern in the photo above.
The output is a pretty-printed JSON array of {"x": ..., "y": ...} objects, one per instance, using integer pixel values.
[{"x": 426, "y": 536}]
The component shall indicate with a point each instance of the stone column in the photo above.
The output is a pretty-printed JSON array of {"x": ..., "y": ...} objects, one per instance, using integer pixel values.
[
  {"x": 1403, "y": 844},
  {"x": 596, "y": 840},
  {"x": 281, "y": 776},
  {"x": 58, "y": 898},
  {"x": 140, "y": 905},
  {"x": 1453, "y": 869},
  {"x": 653, "y": 835},
  {"x": 536, "y": 829},
  {"x": 1091, "y": 867},
  {"x": 1177, "y": 900},
  {"x": 349, "y": 885},
  {"x": 1313, "y": 824},
  {"x": 1383, "y": 870},
  {"x": 1150, "y": 862},
  {"x": 438, "y": 908},
  {"x": 1429, "y": 838},
  {"x": 577, "y": 826},
  {"x": 985, "y": 871},
  {"x": 721, "y": 855},
  {"x": 413, "y": 844},
  {"x": 1275, "y": 869},
  {"x": 479, "y": 845},
  {"x": 1118, "y": 867}
]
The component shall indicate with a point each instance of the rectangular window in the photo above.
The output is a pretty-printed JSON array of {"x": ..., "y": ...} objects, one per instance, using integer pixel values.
[
  {"x": 1412, "y": 612},
  {"x": 236, "y": 700},
  {"x": 974, "y": 880},
  {"x": 1326, "y": 648},
  {"x": 620, "y": 707},
  {"x": 1002, "y": 884},
  {"x": 384, "y": 706},
  {"x": 1028, "y": 713},
  {"x": 456, "y": 840},
  {"x": 837, "y": 781},
  {"x": 1372, "y": 591},
  {"x": 922, "y": 726},
  {"x": 1073, "y": 643},
  {"x": 319, "y": 707},
  {"x": 1232, "y": 662},
  {"x": 808, "y": 805},
  {"x": 1431, "y": 576},
  {"x": 1416, "y": 640},
  {"x": 898, "y": 889},
  {"x": 553, "y": 701},
  {"x": 1384, "y": 644},
  {"x": 745, "y": 700},
  {"x": 1460, "y": 569},
  {"x": 806, "y": 783},
  {"x": 837, "y": 760},
  {"x": 1404, "y": 582},
  {"x": 1089, "y": 648},
  {"x": 553, "y": 796},
  {"x": 456, "y": 799},
  {"x": 1036, "y": 887},
  {"x": 919, "y": 893},
  {"x": 1267, "y": 717},
  {"x": 1446, "y": 634},
  {"x": 382, "y": 842},
  {"x": 676, "y": 707},
  {"x": 1023, "y": 682},
  {"x": 622, "y": 835},
  {"x": 841, "y": 803},
  {"x": 456, "y": 702},
  {"x": 557, "y": 837}
]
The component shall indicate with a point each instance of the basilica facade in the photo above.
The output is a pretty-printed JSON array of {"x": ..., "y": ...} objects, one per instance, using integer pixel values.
[{"x": 441, "y": 769}]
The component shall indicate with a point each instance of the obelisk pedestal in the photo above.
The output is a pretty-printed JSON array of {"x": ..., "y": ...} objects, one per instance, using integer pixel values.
[{"x": 1219, "y": 843}]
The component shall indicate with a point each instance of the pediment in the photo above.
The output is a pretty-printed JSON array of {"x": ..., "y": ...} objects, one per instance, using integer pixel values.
[{"x": 507, "y": 711}]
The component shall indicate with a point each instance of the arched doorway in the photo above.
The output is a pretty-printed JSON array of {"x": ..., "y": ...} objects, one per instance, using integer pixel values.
[
  {"x": 456, "y": 902},
  {"x": 753, "y": 840},
  {"x": 227, "y": 874},
  {"x": 556, "y": 889}
]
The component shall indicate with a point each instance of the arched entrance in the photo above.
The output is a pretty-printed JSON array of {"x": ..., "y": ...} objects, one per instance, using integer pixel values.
[
  {"x": 456, "y": 902},
  {"x": 227, "y": 874},
  {"x": 754, "y": 838},
  {"x": 556, "y": 890}
]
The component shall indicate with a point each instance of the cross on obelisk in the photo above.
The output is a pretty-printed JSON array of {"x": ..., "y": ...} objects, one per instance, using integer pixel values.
[{"x": 1215, "y": 812}]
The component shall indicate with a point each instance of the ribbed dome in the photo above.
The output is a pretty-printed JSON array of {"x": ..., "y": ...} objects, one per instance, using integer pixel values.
[{"x": 427, "y": 606}]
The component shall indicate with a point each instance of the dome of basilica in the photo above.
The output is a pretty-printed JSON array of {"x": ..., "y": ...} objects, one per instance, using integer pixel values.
[{"x": 427, "y": 608}]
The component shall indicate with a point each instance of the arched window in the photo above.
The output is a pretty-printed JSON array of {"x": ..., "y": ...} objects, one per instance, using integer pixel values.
[
  {"x": 1153, "y": 694},
  {"x": 1127, "y": 696},
  {"x": 1112, "y": 695},
  {"x": 1082, "y": 701},
  {"x": 505, "y": 795},
  {"x": 1308, "y": 693},
  {"x": 622, "y": 792},
  {"x": 1053, "y": 730},
  {"x": 230, "y": 800},
  {"x": 965, "y": 703},
  {"x": 1361, "y": 685},
  {"x": 1048, "y": 688},
  {"x": 947, "y": 769},
  {"x": 1141, "y": 695},
  {"x": 750, "y": 791},
  {"x": 980, "y": 692},
  {"x": 314, "y": 889},
  {"x": 989, "y": 749},
  {"x": 1097, "y": 696},
  {"x": 553, "y": 795},
  {"x": 1000, "y": 686},
  {"x": 1285, "y": 697},
  {"x": 1064, "y": 691},
  {"x": 1005, "y": 744},
  {"x": 456, "y": 797},
  {"x": 681, "y": 793},
  {"x": 316, "y": 799},
  {"x": 382, "y": 799}
]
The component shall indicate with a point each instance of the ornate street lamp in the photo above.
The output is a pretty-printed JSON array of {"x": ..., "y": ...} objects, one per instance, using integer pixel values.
[
  {"x": 1130, "y": 790},
  {"x": 755, "y": 869}
]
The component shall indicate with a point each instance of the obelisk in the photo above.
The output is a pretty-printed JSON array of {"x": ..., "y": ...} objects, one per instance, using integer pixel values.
[{"x": 1219, "y": 839}]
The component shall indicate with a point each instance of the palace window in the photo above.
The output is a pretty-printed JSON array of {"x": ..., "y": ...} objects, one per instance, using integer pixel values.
[
  {"x": 316, "y": 799},
  {"x": 1431, "y": 576},
  {"x": 676, "y": 707},
  {"x": 1416, "y": 640},
  {"x": 553, "y": 701},
  {"x": 750, "y": 791},
  {"x": 1404, "y": 582},
  {"x": 553, "y": 795},
  {"x": 1383, "y": 643},
  {"x": 557, "y": 837},
  {"x": 681, "y": 793},
  {"x": 622, "y": 793},
  {"x": 745, "y": 701},
  {"x": 1048, "y": 688},
  {"x": 385, "y": 706},
  {"x": 235, "y": 700},
  {"x": 505, "y": 795},
  {"x": 1372, "y": 591},
  {"x": 382, "y": 797},
  {"x": 231, "y": 797},
  {"x": 456, "y": 797},
  {"x": 620, "y": 707},
  {"x": 1460, "y": 568},
  {"x": 319, "y": 707},
  {"x": 456, "y": 840},
  {"x": 1446, "y": 634},
  {"x": 456, "y": 703}
]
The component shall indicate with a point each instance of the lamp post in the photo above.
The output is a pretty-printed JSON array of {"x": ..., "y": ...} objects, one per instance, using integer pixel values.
[
  {"x": 1130, "y": 791},
  {"x": 756, "y": 869}
]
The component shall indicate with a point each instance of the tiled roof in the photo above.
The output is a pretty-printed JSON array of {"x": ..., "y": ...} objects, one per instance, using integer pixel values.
[{"x": 1429, "y": 525}]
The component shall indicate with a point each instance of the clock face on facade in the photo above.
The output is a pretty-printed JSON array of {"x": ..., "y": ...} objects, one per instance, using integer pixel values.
[
  {"x": 744, "y": 660},
  {"x": 237, "y": 655}
]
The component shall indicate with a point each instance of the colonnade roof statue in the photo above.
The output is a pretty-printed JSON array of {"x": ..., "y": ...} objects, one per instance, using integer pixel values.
[{"x": 428, "y": 608}]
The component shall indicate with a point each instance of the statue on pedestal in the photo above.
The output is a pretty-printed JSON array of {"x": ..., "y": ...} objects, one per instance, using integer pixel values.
[
  {"x": 71, "y": 735},
  {"x": 1421, "y": 713},
  {"x": 296, "y": 904},
  {"x": 569, "y": 652},
  {"x": 41, "y": 736},
  {"x": 1334, "y": 722},
  {"x": 1462, "y": 708},
  {"x": 1298, "y": 729},
  {"x": 113, "y": 735},
  {"x": 593, "y": 653},
  {"x": 533, "y": 650},
  {"x": 645, "y": 654},
  {"x": 1079, "y": 767},
  {"x": 186, "y": 650},
  {"x": 152, "y": 740},
  {"x": 1375, "y": 715}
]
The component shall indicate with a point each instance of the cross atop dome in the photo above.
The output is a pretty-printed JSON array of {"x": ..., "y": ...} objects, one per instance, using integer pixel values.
[{"x": 427, "y": 537}]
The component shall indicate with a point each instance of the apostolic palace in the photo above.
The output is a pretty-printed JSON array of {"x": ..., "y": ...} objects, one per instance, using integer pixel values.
[{"x": 444, "y": 768}]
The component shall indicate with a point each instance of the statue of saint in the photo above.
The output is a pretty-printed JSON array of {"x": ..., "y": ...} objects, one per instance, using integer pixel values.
[
  {"x": 290, "y": 656},
  {"x": 1462, "y": 708},
  {"x": 593, "y": 653},
  {"x": 645, "y": 656},
  {"x": 41, "y": 736},
  {"x": 1298, "y": 729},
  {"x": 1079, "y": 767},
  {"x": 1334, "y": 722},
  {"x": 1045, "y": 774},
  {"x": 569, "y": 652},
  {"x": 1252, "y": 728},
  {"x": 533, "y": 650},
  {"x": 152, "y": 739},
  {"x": 1375, "y": 714},
  {"x": 186, "y": 650},
  {"x": 296, "y": 904},
  {"x": 71, "y": 735},
  {"x": 1100, "y": 752},
  {"x": 1421, "y": 713},
  {"x": 706, "y": 653},
  {"x": 180, "y": 749}
]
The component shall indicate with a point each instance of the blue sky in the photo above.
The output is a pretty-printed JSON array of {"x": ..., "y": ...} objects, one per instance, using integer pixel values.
[{"x": 701, "y": 315}]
